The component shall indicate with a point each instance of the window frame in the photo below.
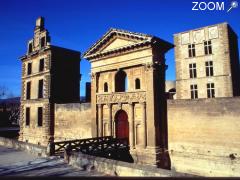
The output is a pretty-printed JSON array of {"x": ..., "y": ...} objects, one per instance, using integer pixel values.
[
  {"x": 193, "y": 70},
  {"x": 210, "y": 90},
  {"x": 137, "y": 83},
  {"x": 40, "y": 89},
  {"x": 40, "y": 117},
  {"x": 29, "y": 68},
  {"x": 27, "y": 116},
  {"x": 43, "y": 41},
  {"x": 191, "y": 50},
  {"x": 41, "y": 65},
  {"x": 208, "y": 47},
  {"x": 209, "y": 68},
  {"x": 194, "y": 91},
  {"x": 30, "y": 50},
  {"x": 28, "y": 90},
  {"x": 105, "y": 87}
]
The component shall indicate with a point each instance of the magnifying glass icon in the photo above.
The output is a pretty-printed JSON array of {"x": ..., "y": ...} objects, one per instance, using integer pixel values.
[{"x": 234, "y": 4}]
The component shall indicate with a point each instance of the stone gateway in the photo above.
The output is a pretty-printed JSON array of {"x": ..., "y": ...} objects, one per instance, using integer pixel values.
[{"x": 127, "y": 93}]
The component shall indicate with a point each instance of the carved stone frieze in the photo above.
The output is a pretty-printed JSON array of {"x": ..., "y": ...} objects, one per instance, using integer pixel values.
[{"x": 121, "y": 97}]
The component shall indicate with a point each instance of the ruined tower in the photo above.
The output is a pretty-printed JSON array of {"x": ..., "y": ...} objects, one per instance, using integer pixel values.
[
  {"x": 127, "y": 92},
  {"x": 50, "y": 75}
]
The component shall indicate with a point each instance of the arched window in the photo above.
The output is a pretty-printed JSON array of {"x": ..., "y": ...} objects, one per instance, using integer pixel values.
[
  {"x": 137, "y": 84},
  {"x": 105, "y": 87},
  {"x": 121, "y": 81}
]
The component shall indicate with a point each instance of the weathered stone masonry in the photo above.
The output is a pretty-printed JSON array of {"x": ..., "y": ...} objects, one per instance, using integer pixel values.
[{"x": 44, "y": 84}]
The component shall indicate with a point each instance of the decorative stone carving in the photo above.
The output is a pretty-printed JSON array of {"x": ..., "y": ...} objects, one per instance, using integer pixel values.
[
  {"x": 185, "y": 38},
  {"x": 47, "y": 86},
  {"x": 121, "y": 97},
  {"x": 213, "y": 32},
  {"x": 149, "y": 66},
  {"x": 47, "y": 62},
  {"x": 119, "y": 105},
  {"x": 198, "y": 36}
]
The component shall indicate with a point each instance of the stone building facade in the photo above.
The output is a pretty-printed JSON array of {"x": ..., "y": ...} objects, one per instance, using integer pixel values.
[
  {"x": 127, "y": 92},
  {"x": 128, "y": 98},
  {"x": 207, "y": 63},
  {"x": 50, "y": 75}
]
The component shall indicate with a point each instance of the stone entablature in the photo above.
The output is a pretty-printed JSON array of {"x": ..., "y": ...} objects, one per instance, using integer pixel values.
[{"x": 121, "y": 97}]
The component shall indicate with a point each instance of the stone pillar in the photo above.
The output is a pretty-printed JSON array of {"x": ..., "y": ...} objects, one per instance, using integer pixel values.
[
  {"x": 113, "y": 129},
  {"x": 143, "y": 104},
  {"x": 131, "y": 126},
  {"x": 100, "y": 120},
  {"x": 113, "y": 81},
  {"x": 95, "y": 132},
  {"x": 110, "y": 119},
  {"x": 150, "y": 108},
  {"x": 48, "y": 117},
  {"x": 21, "y": 122}
]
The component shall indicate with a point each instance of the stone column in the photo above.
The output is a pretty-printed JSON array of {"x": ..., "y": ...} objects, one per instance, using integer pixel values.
[
  {"x": 143, "y": 104},
  {"x": 113, "y": 129},
  {"x": 131, "y": 126},
  {"x": 94, "y": 78},
  {"x": 110, "y": 119},
  {"x": 150, "y": 108},
  {"x": 100, "y": 120}
]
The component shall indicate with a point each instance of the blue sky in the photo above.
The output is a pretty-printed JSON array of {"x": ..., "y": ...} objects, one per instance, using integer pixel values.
[{"x": 77, "y": 24}]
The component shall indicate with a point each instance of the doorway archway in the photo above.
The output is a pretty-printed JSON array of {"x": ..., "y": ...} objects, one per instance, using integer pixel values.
[{"x": 122, "y": 125}]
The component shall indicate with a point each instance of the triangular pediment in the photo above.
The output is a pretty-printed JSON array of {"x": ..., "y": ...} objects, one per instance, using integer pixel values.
[
  {"x": 117, "y": 42},
  {"x": 116, "y": 39}
]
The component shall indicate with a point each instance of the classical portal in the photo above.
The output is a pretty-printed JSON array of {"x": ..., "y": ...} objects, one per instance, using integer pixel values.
[{"x": 127, "y": 92}]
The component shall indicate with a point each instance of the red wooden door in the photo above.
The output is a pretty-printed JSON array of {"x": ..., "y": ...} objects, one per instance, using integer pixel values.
[{"x": 122, "y": 127}]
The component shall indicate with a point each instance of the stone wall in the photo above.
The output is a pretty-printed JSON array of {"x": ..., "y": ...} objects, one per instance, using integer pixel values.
[
  {"x": 31, "y": 148},
  {"x": 204, "y": 136},
  {"x": 72, "y": 121},
  {"x": 118, "y": 168}
]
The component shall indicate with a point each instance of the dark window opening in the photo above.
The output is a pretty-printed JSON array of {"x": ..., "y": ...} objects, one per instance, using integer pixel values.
[
  {"x": 40, "y": 116},
  {"x": 40, "y": 89},
  {"x": 194, "y": 91},
  {"x": 209, "y": 68},
  {"x": 208, "y": 47},
  {"x": 191, "y": 50},
  {"x": 41, "y": 65},
  {"x": 105, "y": 87},
  {"x": 42, "y": 41},
  {"x": 121, "y": 81},
  {"x": 28, "y": 95},
  {"x": 192, "y": 70},
  {"x": 210, "y": 90},
  {"x": 137, "y": 84},
  {"x": 30, "y": 48},
  {"x": 27, "y": 116},
  {"x": 29, "y": 68}
]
